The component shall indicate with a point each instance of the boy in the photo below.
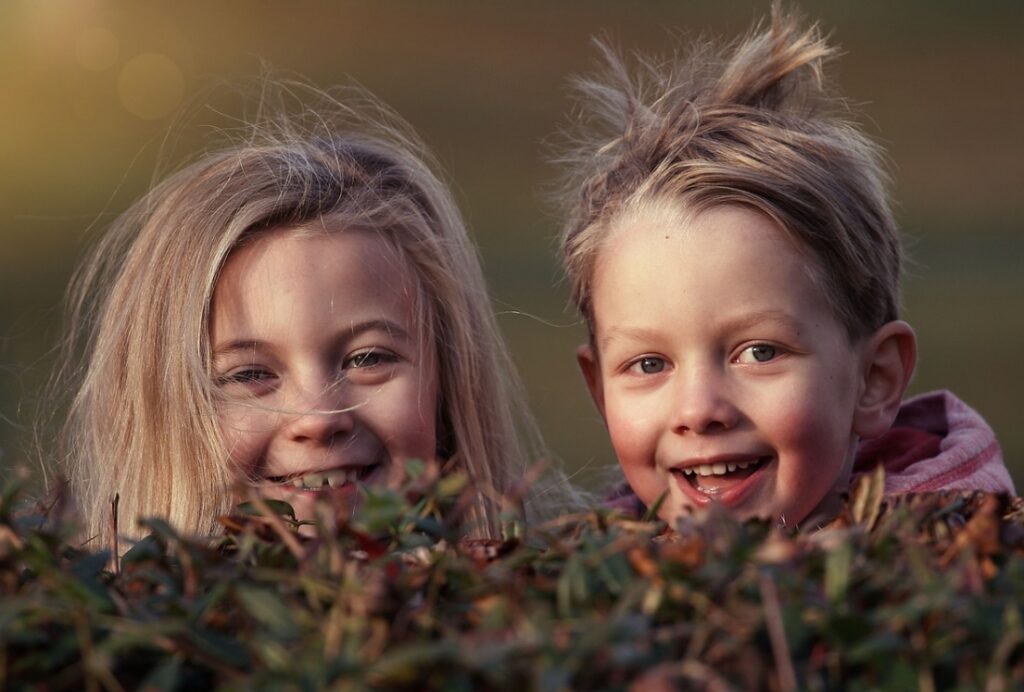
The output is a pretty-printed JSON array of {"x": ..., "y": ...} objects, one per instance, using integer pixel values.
[{"x": 732, "y": 250}]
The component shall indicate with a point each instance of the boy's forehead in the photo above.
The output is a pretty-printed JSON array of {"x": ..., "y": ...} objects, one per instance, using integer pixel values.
[
  {"x": 673, "y": 222},
  {"x": 732, "y": 259},
  {"x": 669, "y": 220},
  {"x": 662, "y": 213}
]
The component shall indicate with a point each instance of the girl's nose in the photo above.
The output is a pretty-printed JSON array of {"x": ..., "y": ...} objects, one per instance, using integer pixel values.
[
  {"x": 319, "y": 418},
  {"x": 703, "y": 405}
]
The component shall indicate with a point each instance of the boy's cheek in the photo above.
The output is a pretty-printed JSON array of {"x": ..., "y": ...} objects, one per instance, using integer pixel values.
[
  {"x": 629, "y": 440},
  {"x": 635, "y": 453},
  {"x": 645, "y": 482}
]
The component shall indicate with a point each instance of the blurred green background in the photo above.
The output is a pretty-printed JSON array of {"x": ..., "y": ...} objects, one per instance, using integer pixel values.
[{"x": 92, "y": 91}]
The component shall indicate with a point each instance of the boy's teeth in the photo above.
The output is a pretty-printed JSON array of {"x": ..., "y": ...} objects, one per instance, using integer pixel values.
[{"x": 719, "y": 469}]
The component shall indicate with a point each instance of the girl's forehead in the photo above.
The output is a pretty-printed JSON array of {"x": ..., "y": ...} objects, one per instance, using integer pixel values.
[
  {"x": 299, "y": 248},
  {"x": 348, "y": 271}
]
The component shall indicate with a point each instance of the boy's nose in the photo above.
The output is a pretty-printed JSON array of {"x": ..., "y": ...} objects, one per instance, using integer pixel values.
[
  {"x": 702, "y": 404},
  {"x": 319, "y": 418}
]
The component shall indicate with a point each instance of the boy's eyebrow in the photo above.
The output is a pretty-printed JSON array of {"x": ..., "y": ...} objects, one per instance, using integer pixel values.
[
  {"x": 744, "y": 321},
  {"x": 391, "y": 327},
  {"x": 629, "y": 333},
  {"x": 752, "y": 319}
]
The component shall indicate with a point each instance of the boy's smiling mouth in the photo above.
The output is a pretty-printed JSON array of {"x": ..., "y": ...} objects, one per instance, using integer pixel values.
[{"x": 723, "y": 478}]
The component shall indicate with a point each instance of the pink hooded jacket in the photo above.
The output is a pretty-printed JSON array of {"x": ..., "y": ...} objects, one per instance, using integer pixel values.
[{"x": 936, "y": 443}]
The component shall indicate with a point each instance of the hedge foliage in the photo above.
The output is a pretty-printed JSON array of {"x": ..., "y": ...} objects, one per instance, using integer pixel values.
[{"x": 920, "y": 592}]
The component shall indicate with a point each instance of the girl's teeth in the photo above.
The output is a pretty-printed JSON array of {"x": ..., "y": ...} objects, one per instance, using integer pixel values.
[
  {"x": 340, "y": 478},
  {"x": 327, "y": 479}
]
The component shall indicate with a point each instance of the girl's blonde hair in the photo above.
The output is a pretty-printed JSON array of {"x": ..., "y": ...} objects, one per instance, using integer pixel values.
[
  {"x": 753, "y": 124},
  {"x": 142, "y": 424}
]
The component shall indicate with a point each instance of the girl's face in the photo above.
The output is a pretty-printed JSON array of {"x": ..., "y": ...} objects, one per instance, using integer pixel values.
[
  {"x": 323, "y": 373},
  {"x": 719, "y": 368}
]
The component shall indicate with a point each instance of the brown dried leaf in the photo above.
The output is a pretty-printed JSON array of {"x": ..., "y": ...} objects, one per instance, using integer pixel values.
[
  {"x": 688, "y": 551},
  {"x": 664, "y": 677},
  {"x": 9, "y": 541},
  {"x": 982, "y": 529},
  {"x": 866, "y": 499},
  {"x": 980, "y": 535},
  {"x": 642, "y": 562},
  {"x": 777, "y": 548}
]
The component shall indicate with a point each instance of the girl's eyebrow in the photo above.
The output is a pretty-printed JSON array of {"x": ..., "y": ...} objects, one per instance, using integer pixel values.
[
  {"x": 390, "y": 327},
  {"x": 236, "y": 346}
]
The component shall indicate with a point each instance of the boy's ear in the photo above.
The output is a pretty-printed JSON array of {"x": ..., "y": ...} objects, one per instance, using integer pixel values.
[
  {"x": 591, "y": 369},
  {"x": 889, "y": 359}
]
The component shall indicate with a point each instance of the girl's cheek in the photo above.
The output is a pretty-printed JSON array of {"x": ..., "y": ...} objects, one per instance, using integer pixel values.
[{"x": 244, "y": 435}]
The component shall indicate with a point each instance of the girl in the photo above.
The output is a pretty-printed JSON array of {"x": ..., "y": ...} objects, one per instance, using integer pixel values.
[{"x": 302, "y": 310}]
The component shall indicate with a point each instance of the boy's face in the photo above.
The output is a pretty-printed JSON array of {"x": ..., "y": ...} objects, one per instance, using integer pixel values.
[{"x": 720, "y": 370}]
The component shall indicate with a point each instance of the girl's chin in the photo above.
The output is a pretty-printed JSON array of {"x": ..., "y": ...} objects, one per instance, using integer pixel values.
[{"x": 318, "y": 505}]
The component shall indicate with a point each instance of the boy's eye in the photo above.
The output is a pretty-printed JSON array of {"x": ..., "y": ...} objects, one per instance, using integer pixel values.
[
  {"x": 758, "y": 353},
  {"x": 649, "y": 365}
]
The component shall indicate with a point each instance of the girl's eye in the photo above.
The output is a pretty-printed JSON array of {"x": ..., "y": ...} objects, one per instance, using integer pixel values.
[
  {"x": 245, "y": 376},
  {"x": 649, "y": 365},
  {"x": 759, "y": 353},
  {"x": 369, "y": 359}
]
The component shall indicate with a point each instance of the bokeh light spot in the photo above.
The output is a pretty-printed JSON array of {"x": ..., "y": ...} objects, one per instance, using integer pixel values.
[
  {"x": 151, "y": 86},
  {"x": 96, "y": 49}
]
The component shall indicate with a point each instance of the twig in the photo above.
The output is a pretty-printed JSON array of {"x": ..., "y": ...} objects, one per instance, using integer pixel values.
[
  {"x": 114, "y": 556},
  {"x": 777, "y": 633}
]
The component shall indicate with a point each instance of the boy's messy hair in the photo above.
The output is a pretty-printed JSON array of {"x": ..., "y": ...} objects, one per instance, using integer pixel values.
[
  {"x": 142, "y": 421},
  {"x": 752, "y": 124}
]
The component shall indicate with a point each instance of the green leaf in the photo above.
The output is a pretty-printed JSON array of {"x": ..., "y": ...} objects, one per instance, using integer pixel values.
[
  {"x": 267, "y": 608},
  {"x": 148, "y": 548},
  {"x": 166, "y": 676},
  {"x": 279, "y": 507},
  {"x": 837, "y": 572}
]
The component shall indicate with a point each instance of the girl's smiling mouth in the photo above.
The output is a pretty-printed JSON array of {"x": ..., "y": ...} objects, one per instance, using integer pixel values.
[{"x": 318, "y": 481}]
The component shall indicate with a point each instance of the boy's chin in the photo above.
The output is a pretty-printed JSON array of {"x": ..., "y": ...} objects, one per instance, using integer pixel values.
[
  {"x": 819, "y": 516},
  {"x": 824, "y": 512}
]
